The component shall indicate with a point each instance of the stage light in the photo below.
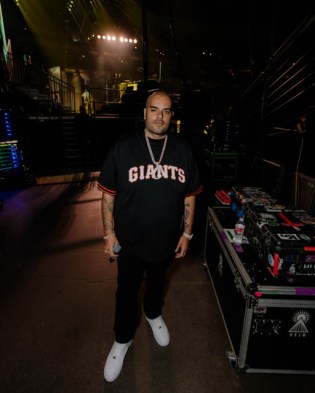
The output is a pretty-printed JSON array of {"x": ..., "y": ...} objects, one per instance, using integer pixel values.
[{"x": 113, "y": 38}]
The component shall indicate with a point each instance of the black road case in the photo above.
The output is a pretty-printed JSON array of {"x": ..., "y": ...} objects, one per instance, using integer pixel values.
[{"x": 270, "y": 323}]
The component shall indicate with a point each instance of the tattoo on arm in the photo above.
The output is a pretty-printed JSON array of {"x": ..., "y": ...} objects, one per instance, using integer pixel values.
[
  {"x": 186, "y": 216},
  {"x": 107, "y": 211},
  {"x": 189, "y": 206}
]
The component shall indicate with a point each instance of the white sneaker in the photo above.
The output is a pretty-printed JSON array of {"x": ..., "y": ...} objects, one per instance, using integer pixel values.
[
  {"x": 160, "y": 331},
  {"x": 115, "y": 360}
]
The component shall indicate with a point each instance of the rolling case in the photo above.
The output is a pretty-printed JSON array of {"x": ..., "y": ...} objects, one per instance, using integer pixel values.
[{"x": 270, "y": 322}]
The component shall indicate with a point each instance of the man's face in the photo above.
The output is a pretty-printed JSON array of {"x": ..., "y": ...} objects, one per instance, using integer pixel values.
[{"x": 157, "y": 115}]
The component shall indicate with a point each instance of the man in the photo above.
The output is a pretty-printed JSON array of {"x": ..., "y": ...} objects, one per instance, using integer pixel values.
[{"x": 149, "y": 182}]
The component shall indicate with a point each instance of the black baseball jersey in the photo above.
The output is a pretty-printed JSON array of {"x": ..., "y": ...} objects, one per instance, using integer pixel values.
[{"x": 149, "y": 205}]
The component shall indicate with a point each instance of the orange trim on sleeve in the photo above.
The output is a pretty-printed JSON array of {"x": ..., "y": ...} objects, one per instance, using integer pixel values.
[
  {"x": 198, "y": 191},
  {"x": 106, "y": 190}
]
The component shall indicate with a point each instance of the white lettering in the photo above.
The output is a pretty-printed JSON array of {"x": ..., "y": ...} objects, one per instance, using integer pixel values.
[
  {"x": 163, "y": 171},
  {"x": 150, "y": 172},
  {"x": 181, "y": 175},
  {"x": 141, "y": 169},
  {"x": 156, "y": 173},
  {"x": 133, "y": 174},
  {"x": 173, "y": 170}
]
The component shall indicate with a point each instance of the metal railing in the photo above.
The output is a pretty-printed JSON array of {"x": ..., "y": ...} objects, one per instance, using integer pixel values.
[{"x": 38, "y": 84}]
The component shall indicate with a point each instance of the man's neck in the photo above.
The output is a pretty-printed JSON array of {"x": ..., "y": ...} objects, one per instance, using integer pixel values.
[{"x": 154, "y": 135}]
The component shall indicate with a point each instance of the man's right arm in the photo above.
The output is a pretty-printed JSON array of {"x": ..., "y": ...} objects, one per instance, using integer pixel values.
[
  {"x": 107, "y": 207},
  {"x": 107, "y": 213}
]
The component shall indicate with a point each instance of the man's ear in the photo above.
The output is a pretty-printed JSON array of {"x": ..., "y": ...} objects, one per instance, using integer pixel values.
[{"x": 144, "y": 113}]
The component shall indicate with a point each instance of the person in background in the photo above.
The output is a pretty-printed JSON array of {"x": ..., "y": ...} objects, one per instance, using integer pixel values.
[
  {"x": 87, "y": 101},
  {"x": 149, "y": 183}
]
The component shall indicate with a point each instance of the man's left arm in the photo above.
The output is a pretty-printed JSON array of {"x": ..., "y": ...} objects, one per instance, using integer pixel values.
[{"x": 189, "y": 214}]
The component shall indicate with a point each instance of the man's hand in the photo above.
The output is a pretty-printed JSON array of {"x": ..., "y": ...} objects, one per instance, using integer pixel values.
[{"x": 182, "y": 247}]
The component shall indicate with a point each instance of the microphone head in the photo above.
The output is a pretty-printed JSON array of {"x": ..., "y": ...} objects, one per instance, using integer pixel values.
[{"x": 116, "y": 248}]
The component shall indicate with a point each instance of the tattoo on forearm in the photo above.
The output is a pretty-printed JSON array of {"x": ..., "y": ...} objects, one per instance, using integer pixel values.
[
  {"x": 107, "y": 213},
  {"x": 186, "y": 216},
  {"x": 189, "y": 207}
]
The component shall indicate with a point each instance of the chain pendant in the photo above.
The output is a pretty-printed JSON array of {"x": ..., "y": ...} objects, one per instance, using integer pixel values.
[
  {"x": 158, "y": 170},
  {"x": 157, "y": 173}
]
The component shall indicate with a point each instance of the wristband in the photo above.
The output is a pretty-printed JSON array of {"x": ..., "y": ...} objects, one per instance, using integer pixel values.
[
  {"x": 189, "y": 237},
  {"x": 108, "y": 236}
]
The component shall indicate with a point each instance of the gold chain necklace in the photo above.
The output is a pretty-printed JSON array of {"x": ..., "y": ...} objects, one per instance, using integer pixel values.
[{"x": 158, "y": 169}]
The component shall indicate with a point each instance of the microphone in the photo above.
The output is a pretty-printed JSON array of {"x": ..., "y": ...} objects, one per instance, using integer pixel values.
[{"x": 116, "y": 250}]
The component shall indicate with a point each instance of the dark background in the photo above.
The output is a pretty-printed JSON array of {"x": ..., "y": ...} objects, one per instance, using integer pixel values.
[{"x": 247, "y": 65}]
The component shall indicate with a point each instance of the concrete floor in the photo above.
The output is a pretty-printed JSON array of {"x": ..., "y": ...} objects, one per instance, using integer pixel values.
[{"x": 57, "y": 305}]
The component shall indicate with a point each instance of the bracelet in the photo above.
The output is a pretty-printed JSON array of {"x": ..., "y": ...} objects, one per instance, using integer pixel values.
[
  {"x": 108, "y": 236},
  {"x": 187, "y": 236}
]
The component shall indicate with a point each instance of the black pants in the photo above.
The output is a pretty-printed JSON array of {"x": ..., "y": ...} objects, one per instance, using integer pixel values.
[{"x": 131, "y": 272}]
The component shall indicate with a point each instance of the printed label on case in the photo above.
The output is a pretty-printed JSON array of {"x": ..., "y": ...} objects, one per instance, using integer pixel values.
[{"x": 300, "y": 319}]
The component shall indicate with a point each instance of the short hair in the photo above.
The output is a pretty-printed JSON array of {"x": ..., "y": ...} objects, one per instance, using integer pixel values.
[{"x": 156, "y": 93}]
